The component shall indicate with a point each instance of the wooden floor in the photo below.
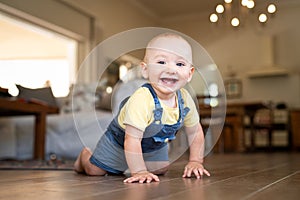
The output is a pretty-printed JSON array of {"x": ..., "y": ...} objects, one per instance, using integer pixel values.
[{"x": 234, "y": 176}]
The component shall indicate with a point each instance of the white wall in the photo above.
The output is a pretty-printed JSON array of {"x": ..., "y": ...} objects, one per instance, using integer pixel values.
[
  {"x": 51, "y": 14},
  {"x": 113, "y": 16},
  {"x": 253, "y": 47}
]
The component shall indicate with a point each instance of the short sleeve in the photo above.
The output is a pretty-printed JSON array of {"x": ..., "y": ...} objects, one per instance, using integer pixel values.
[
  {"x": 192, "y": 118},
  {"x": 138, "y": 110}
]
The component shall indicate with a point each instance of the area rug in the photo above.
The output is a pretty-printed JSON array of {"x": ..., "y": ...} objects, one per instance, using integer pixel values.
[{"x": 36, "y": 165}]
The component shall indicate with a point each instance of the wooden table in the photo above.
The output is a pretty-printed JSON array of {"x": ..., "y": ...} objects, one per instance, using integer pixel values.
[{"x": 16, "y": 107}]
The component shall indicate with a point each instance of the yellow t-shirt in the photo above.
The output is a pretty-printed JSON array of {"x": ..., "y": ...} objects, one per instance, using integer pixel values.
[{"x": 138, "y": 110}]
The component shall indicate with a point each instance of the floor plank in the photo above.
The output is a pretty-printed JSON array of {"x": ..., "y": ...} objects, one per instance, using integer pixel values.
[{"x": 234, "y": 176}]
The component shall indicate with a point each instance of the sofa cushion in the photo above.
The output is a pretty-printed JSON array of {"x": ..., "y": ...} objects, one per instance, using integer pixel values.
[{"x": 44, "y": 95}]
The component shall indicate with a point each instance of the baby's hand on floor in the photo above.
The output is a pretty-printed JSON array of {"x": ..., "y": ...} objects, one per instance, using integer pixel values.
[
  {"x": 142, "y": 177},
  {"x": 195, "y": 168}
]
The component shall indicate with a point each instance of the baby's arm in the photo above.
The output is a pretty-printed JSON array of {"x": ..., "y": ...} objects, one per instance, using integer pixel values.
[
  {"x": 196, "y": 142},
  {"x": 134, "y": 157}
]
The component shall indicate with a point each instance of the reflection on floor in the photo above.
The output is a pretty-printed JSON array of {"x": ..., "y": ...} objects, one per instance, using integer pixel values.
[{"x": 233, "y": 176}]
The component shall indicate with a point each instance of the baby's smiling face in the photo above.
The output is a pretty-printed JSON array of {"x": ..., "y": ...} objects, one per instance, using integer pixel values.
[{"x": 168, "y": 64}]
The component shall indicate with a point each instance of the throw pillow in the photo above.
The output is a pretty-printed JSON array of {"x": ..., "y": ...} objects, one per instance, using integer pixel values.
[{"x": 42, "y": 94}]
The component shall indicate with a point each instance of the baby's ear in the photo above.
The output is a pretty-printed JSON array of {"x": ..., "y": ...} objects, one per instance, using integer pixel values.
[
  {"x": 144, "y": 68},
  {"x": 192, "y": 70}
]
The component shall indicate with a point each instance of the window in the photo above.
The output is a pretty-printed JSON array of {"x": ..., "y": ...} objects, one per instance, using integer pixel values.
[{"x": 34, "y": 57}]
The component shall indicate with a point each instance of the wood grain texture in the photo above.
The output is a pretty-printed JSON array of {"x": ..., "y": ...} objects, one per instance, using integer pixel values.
[{"x": 234, "y": 176}]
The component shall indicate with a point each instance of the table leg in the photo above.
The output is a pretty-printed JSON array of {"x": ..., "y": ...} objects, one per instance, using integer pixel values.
[{"x": 40, "y": 134}]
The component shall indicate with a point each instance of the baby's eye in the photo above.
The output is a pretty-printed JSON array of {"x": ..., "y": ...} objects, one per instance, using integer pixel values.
[
  {"x": 161, "y": 62},
  {"x": 180, "y": 64}
]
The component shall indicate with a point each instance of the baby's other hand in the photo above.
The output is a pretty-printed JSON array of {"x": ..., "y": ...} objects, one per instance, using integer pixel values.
[
  {"x": 195, "y": 168},
  {"x": 142, "y": 177}
]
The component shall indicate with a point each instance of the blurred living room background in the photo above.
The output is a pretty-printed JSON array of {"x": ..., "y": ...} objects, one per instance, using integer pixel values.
[{"x": 43, "y": 43}]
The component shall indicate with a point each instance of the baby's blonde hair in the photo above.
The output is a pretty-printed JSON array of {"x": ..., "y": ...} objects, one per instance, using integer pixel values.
[
  {"x": 165, "y": 35},
  {"x": 177, "y": 50}
]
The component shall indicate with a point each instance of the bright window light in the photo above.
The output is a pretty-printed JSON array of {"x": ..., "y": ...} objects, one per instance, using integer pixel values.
[
  {"x": 35, "y": 57},
  {"x": 35, "y": 74}
]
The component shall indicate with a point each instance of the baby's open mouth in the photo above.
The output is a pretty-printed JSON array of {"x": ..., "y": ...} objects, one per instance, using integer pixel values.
[{"x": 169, "y": 80}]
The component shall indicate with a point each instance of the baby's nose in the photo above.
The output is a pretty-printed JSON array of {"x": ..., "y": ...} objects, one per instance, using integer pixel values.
[{"x": 172, "y": 68}]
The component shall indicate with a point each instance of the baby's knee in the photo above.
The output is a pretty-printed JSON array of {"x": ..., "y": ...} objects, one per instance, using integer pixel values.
[{"x": 92, "y": 170}]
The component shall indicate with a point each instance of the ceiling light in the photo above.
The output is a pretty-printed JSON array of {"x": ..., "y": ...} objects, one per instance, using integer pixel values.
[
  {"x": 213, "y": 18},
  {"x": 227, "y": 1},
  {"x": 250, "y": 4},
  {"x": 262, "y": 18},
  {"x": 271, "y": 8},
  {"x": 240, "y": 10},
  {"x": 244, "y": 2},
  {"x": 235, "y": 22},
  {"x": 220, "y": 8}
]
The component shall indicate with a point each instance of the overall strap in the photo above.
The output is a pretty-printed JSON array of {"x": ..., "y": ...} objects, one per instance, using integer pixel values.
[
  {"x": 158, "y": 109},
  {"x": 182, "y": 111},
  {"x": 156, "y": 101},
  {"x": 180, "y": 103}
]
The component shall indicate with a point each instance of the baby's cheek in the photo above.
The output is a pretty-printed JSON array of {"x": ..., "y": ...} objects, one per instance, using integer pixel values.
[{"x": 185, "y": 76}]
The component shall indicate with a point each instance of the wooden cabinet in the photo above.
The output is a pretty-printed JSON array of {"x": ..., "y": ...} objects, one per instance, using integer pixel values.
[
  {"x": 295, "y": 127},
  {"x": 238, "y": 136},
  {"x": 232, "y": 136}
]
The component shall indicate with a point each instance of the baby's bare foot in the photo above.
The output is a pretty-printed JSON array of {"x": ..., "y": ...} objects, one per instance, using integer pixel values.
[{"x": 78, "y": 164}]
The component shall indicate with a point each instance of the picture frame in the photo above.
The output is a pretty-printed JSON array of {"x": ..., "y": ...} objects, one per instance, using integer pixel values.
[{"x": 233, "y": 88}]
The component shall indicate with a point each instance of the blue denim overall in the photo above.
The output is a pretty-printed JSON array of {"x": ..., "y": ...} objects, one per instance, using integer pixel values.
[{"x": 109, "y": 153}]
